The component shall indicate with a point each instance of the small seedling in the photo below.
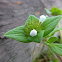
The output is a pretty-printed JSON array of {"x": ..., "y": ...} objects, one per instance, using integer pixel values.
[{"x": 37, "y": 29}]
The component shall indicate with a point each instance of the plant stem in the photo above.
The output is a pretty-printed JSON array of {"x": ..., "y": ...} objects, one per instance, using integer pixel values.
[
  {"x": 60, "y": 33},
  {"x": 41, "y": 44},
  {"x": 33, "y": 51},
  {"x": 60, "y": 58},
  {"x": 38, "y": 52}
]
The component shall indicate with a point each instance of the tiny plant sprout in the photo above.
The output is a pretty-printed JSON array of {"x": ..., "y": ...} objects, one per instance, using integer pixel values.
[
  {"x": 42, "y": 18},
  {"x": 33, "y": 33}
]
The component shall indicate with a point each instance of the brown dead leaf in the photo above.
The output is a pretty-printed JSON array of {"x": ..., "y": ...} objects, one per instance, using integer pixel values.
[
  {"x": 37, "y": 13},
  {"x": 18, "y": 3}
]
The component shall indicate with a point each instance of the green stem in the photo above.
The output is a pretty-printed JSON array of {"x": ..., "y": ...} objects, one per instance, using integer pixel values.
[{"x": 38, "y": 52}]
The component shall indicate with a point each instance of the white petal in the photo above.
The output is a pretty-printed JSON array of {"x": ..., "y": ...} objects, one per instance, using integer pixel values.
[
  {"x": 33, "y": 33},
  {"x": 42, "y": 18}
]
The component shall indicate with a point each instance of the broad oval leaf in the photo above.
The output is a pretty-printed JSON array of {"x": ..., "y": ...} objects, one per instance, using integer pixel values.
[
  {"x": 17, "y": 34},
  {"x": 52, "y": 39},
  {"x": 50, "y": 23}
]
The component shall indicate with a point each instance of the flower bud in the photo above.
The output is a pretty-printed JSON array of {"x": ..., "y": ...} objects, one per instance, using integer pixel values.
[
  {"x": 42, "y": 18},
  {"x": 33, "y": 24},
  {"x": 33, "y": 33}
]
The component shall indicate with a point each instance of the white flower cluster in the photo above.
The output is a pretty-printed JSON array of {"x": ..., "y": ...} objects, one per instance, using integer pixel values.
[{"x": 34, "y": 32}]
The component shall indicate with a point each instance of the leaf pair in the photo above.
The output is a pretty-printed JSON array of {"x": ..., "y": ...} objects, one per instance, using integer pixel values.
[
  {"x": 55, "y": 47},
  {"x": 19, "y": 34}
]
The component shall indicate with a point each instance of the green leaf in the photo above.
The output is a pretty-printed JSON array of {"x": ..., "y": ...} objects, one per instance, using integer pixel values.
[
  {"x": 37, "y": 38},
  {"x": 31, "y": 18},
  {"x": 17, "y": 34},
  {"x": 56, "y": 48},
  {"x": 50, "y": 24},
  {"x": 47, "y": 11},
  {"x": 56, "y": 11},
  {"x": 52, "y": 39},
  {"x": 55, "y": 30}
]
